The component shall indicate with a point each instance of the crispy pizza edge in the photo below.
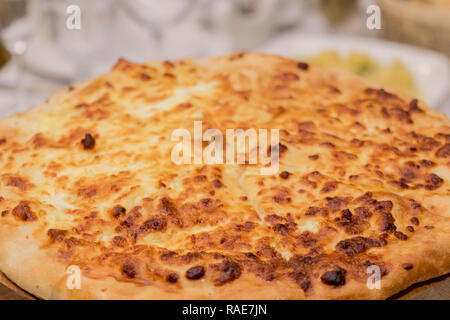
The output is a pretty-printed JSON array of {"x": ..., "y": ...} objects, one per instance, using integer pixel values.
[{"x": 42, "y": 275}]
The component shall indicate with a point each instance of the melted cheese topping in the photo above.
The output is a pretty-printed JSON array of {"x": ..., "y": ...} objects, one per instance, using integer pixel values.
[{"x": 358, "y": 165}]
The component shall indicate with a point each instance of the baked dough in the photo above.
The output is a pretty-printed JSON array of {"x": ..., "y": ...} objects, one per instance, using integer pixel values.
[{"x": 87, "y": 180}]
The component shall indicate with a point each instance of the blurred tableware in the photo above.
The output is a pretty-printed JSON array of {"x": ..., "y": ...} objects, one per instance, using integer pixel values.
[
  {"x": 17, "y": 24},
  {"x": 431, "y": 70},
  {"x": 423, "y": 23},
  {"x": 16, "y": 18},
  {"x": 244, "y": 24},
  {"x": 83, "y": 46},
  {"x": 337, "y": 11},
  {"x": 157, "y": 16},
  {"x": 4, "y": 55}
]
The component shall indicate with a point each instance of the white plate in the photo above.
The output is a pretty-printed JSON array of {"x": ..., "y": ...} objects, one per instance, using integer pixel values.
[{"x": 431, "y": 70}]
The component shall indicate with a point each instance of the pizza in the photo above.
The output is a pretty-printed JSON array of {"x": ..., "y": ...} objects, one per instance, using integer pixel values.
[
  {"x": 442, "y": 4},
  {"x": 89, "y": 187}
]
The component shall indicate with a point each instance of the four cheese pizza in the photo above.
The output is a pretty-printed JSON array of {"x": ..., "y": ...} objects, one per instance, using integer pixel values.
[{"x": 89, "y": 187}]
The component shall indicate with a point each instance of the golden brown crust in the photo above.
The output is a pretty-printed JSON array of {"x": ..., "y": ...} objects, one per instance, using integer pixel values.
[{"x": 87, "y": 180}]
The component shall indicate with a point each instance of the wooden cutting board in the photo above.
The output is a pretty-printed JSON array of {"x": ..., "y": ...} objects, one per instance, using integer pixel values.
[
  {"x": 435, "y": 289},
  {"x": 9, "y": 291}
]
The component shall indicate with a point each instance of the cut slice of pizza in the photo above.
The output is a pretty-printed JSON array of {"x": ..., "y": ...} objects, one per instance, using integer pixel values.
[{"x": 92, "y": 204}]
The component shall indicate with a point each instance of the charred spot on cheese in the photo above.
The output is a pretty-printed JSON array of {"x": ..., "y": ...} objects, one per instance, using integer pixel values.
[
  {"x": 307, "y": 126},
  {"x": 167, "y": 207},
  {"x": 334, "y": 277},
  {"x": 410, "y": 228},
  {"x": 433, "y": 181},
  {"x": 350, "y": 223},
  {"x": 273, "y": 218},
  {"x": 429, "y": 227},
  {"x": 358, "y": 143},
  {"x": 5, "y": 213},
  {"x": 364, "y": 198},
  {"x": 306, "y": 284},
  {"x": 327, "y": 144},
  {"x": 383, "y": 206},
  {"x": 302, "y": 266},
  {"x": 23, "y": 212},
  {"x": 400, "y": 235},
  {"x": 415, "y": 205},
  {"x": 172, "y": 277},
  {"x": 38, "y": 141},
  {"x": 410, "y": 172},
  {"x": 281, "y": 148},
  {"x": 284, "y": 175},
  {"x": 168, "y": 255},
  {"x": 302, "y": 65},
  {"x": 426, "y": 163},
  {"x": 18, "y": 182},
  {"x": 169, "y": 64},
  {"x": 228, "y": 271},
  {"x": 251, "y": 255},
  {"x": 282, "y": 229},
  {"x": 195, "y": 273},
  {"x": 386, "y": 222},
  {"x": 88, "y": 142},
  {"x": 307, "y": 239},
  {"x": 401, "y": 115},
  {"x": 309, "y": 178},
  {"x": 191, "y": 256},
  {"x": 381, "y": 93},
  {"x": 81, "y": 105},
  {"x": 153, "y": 224},
  {"x": 2, "y": 141},
  {"x": 313, "y": 157},
  {"x": 287, "y": 76},
  {"x": 145, "y": 76},
  {"x": 414, "y": 221},
  {"x": 200, "y": 178},
  {"x": 401, "y": 184},
  {"x": 246, "y": 227},
  {"x": 88, "y": 192},
  {"x": 217, "y": 183},
  {"x": 358, "y": 244},
  {"x": 336, "y": 203},
  {"x": 407, "y": 266},
  {"x": 414, "y": 106},
  {"x": 56, "y": 234},
  {"x": 363, "y": 212},
  {"x": 236, "y": 56},
  {"x": 424, "y": 143},
  {"x": 208, "y": 204},
  {"x": 119, "y": 241},
  {"x": 335, "y": 90},
  {"x": 343, "y": 156},
  {"x": 130, "y": 219},
  {"x": 129, "y": 269},
  {"x": 445, "y": 136},
  {"x": 282, "y": 196},
  {"x": 329, "y": 186},
  {"x": 118, "y": 211},
  {"x": 312, "y": 211}
]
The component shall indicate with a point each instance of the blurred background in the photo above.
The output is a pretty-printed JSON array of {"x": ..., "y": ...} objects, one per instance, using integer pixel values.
[{"x": 42, "y": 50}]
